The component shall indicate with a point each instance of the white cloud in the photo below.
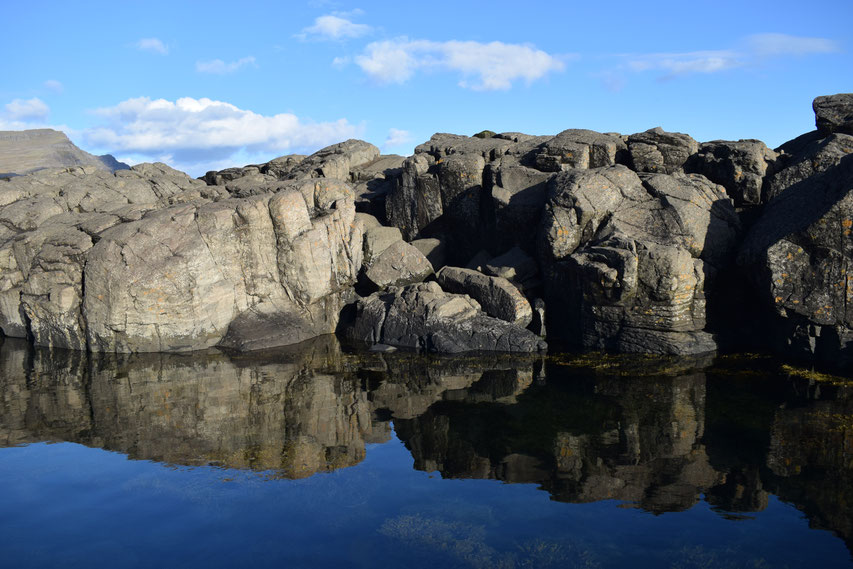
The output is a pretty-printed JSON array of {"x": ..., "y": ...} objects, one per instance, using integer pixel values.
[
  {"x": 27, "y": 110},
  {"x": 54, "y": 85},
  {"x": 750, "y": 51},
  {"x": 335, "y": 26},
  {"x": 767, "y": 45},
  {"x": 153, "y": 45},
  {"x": 219, "y": 67},
  {"x": 495, "y": 65},
  {"x": 397, "y": 137},
  {"x": 201, "y": 134},
  {"x": 682, "y": 63}
]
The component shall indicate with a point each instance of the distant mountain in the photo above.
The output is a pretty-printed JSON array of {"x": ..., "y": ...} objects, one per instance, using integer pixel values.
[{"x": 25, "y": 151}]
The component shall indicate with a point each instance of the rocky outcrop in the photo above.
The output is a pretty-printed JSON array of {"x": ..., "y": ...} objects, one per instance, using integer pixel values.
[
  {"x": 424, "y": 317},
  {"x": 26, "y": 151},
  {"x": 739, "y": 166},
  {"x": 656, "y": 150},
  {"x": 628, "y": 258},
  {"x": 834, "y": 113}
]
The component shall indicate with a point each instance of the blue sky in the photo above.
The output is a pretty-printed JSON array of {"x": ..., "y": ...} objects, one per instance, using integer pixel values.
[{"x": 204, "y": 85}]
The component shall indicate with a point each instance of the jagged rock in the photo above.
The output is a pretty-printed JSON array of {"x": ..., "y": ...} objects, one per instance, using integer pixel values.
[
  {"x": 422, "y": 316},
  {"x": 834, "y": 113},
  {"x": 656, "y": 150},
  {"x": 374, "y": 180},
  {"x": 26, "y": 151},
  {"x": 739, "y": 166},
  {"x": 497, "y": 296},
  {"x": 799, "y": 255},
  {"x": 415, "y": 202},
  {"x": 399, "y": 264},
  {"x": 805, "y": 157},
  {"x": 518, "y": 194},
  {"x": 335, "y": 161},
  {"x": 433, "y": 249},
  {"x": 626, "y": 259}
]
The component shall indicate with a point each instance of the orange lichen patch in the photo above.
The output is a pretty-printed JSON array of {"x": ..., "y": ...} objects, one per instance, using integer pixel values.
[{"x": 847, "y": 223}]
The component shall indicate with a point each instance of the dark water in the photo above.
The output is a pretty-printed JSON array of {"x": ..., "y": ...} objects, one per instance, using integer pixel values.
[{"x": 315, "y": 457}]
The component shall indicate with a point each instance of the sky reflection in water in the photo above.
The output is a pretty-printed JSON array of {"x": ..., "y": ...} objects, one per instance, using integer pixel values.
[{"x": 618, "y": 462}]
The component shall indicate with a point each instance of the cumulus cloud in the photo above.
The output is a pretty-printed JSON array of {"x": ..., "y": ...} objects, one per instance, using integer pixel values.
[
  {"x": 750, "y": 51},
  {"x": 193, "y": 134},
  {"x": 152, "y": 45},
  {"x": 219, "y": 67},
  {"x": 26, "y": 110},
  {"x": 397, "y": 137},
  {"x": 492, "y": 66},
  {"x": 335, "y": 26},
  {"x": 54, "y": 85}
]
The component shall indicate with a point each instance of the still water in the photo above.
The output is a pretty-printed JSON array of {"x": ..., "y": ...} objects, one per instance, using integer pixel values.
[{"x": 316, "y": 456}]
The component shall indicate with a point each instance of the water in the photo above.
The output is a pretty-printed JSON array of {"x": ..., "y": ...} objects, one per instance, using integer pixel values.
[{"x": 317, "y": 457}]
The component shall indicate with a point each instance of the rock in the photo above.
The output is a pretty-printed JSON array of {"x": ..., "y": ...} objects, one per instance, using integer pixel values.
[
  {"x": 537, "y": 324},
  {"x": 518, "y": 195},
  {"x": 26, "y": 151},
  {"x": 415, "y": 202},
  {"x": 656, "y": 150},
  {"x": 805, "y": 157},
  {"x": 423, "y": 317},
  {"x": 579, "y": 148},
  {"x": 833, "y": 113},
  {"x": 478, "y": 261},
  {"x": 626, "y": 258},
  {"x": 399, "y": 264},
  {"x": 798, "y": 255},
  {"x": 377, "y": 239},
  {"x": 373, "y": 181},
  {"x": 517, "y": 267},
  {"x": 497, "y": 296},
  {"x": 434, "y": 250},
  {"x": 739, "y": 166}
]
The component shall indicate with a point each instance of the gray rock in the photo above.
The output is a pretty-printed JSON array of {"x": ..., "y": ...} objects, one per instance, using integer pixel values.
[
  {"x": 478, "y": 261},
  {"x": 434, "y": 250},
  {"x": 518, "y": 195},
  {"x": 415, "y": 202},
  {"x": 537, "y": 324},
  {"x": 377, "y": 239},
  {"x": 625, "y": 255},
  {"x": 834, "y": 113},
  {"x": 423, "y": 317},
  {"x": 739, "y": 166},
  {"x": 26, "y": 151},
  {"x": 497, "y": 296},
  {"x": 399, "y": 264},
  {"x": 579, "y": 148},
  {"x": 517, "y": 267},
  {"x": 656, "y": 150}
]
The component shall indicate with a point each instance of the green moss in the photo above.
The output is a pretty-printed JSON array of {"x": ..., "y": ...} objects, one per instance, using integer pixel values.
[{"x": 485, "y": 134}]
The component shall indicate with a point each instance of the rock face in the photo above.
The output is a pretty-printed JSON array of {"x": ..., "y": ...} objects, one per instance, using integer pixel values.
[
  {"x": 628, "y": 258},
  {"x": 739, "y": 166},
  {"x": 424, "y": 317},
  {"x": 25, "y": 151}
]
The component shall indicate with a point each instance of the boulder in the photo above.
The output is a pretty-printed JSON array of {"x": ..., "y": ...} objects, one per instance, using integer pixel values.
[
  {"x": 798, "y": 255},
  {"x": 626, "y": 258},
  {"x": 497, "y": 296},
  {"x": 805, "y": 157},
  {"x": 377, "y": 239},
  {"x": 399, "y": 264},
  {"x": 518, "y": 194},
  {"x": 739, "y": 166},
  {"x": 656, "y": 150},
  {"x": 579, "y": 148},
  {"x": 834, "y": 113},
  {"x": 423, "y": 317},
  {"x": 433, "y": 249},
  {"x": 516, "y": 266}
]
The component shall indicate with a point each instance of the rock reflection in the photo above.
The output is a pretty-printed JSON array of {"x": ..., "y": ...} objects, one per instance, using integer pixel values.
[{"x": 659, "y": 435}]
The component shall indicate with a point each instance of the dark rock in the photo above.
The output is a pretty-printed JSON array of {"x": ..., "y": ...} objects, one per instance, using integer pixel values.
[
  {"x": 377, "y": 239},
  {"x": 834, "y": 113},
  {"x": 739, "y": 166},
  {"x": 656, "y": 150},
  {"x": 497, "y": 296},
  {"x": 578, "y": 148},
  {"x": 799, "y": 255},
  {"x": 804, "y": 157},
  {"x": 518, "y": 194},
  {"x": 517, "y": 267},
  {"x": 415, "y": 202},
  {"x": 423, "y": 317}
]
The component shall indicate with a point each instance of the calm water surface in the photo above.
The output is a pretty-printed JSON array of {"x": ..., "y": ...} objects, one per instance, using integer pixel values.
[{"x": 319, "y": 457}]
